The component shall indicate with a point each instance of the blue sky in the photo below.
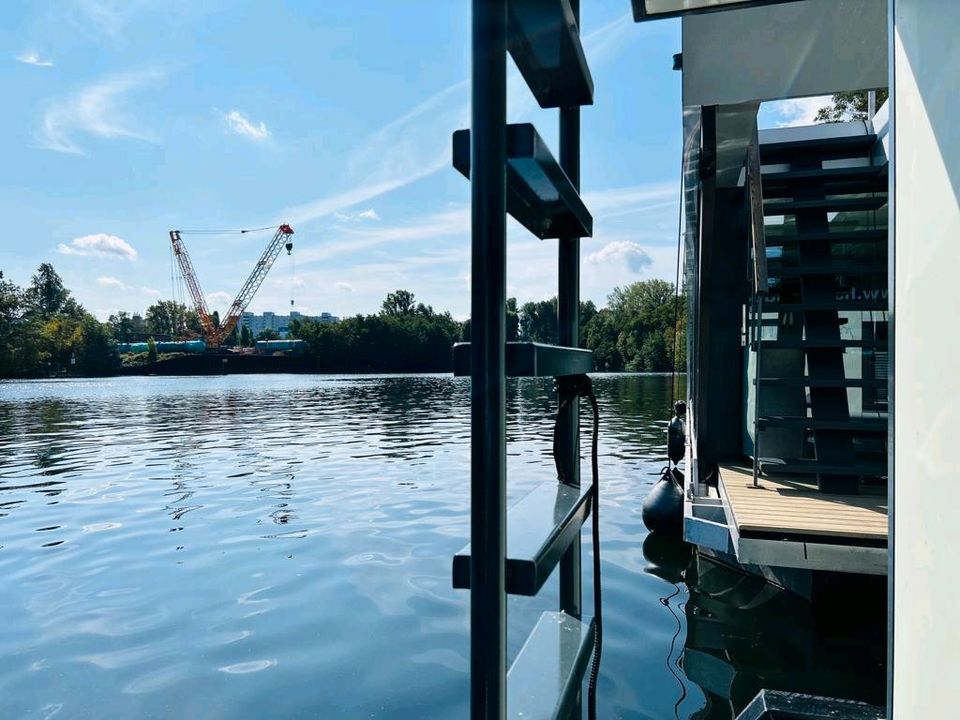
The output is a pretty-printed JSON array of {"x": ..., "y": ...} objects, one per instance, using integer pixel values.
[{"x": 127, "y": 118}]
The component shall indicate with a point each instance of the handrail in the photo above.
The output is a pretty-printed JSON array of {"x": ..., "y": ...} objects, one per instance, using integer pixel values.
[{"x": 761, "y": 284}]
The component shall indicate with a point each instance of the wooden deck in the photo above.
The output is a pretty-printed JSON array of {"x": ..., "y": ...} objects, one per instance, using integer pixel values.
[{"x": 790, "y": 510}]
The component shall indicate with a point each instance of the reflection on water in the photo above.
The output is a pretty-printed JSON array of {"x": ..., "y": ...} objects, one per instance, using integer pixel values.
[{"x": 280, "y": 546}]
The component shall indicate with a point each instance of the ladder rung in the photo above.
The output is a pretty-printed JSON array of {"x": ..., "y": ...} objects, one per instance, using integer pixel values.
[
  {"x": 545, "y": 44},
  {"x": 540, "y": 529},
  {"x": 540, "y": 196},
  {"x": 528, "y": 359},
  {"x": 544, "y": 680}
]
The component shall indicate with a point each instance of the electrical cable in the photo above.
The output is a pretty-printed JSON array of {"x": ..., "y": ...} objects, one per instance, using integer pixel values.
[{"x": 226, "y": 232}]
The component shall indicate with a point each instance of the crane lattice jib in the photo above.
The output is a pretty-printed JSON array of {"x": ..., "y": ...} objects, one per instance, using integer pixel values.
[
  {"x": 254, "y": 282},
  {"x": 190, "y": 277}
]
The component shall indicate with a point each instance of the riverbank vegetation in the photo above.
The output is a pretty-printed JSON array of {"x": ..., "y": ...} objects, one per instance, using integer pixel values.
[{"x": 45, "y": 332}]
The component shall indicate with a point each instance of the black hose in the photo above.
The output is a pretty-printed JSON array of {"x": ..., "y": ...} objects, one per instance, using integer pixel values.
[
  {"x": 571, "y": 388},
  {"x": 597, "y": 600}
]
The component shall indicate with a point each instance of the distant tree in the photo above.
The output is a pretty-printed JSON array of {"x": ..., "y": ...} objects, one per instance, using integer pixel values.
[
  {"x": 513, "y": 320},
  {"x": 47, "y": 295},
  {"x": 151, "y": 350},
  {"x": 246, "y": 337},
  {"x": 98, "y": 353},
  {"x": 268, "y": 334},
  {"x": 216, "y": 318},
  {"x": 400, "y": 302},
  {"x": 233, "y": 339},
  {"x": 121, "y": 326},
  {"x": 847, "y": 106},
  {"x": 11, "y": 310},
  {"x": 167, "y": 317}
]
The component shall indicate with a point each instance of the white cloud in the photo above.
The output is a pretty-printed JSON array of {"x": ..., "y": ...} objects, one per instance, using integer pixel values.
[
  {"x": 626, "y": 252},
  {"x": 94, "y": 110},
  {"x": 150, "y": 292},
  {"x": 109, "y": 281},
  {"x": 792, "y": 112},
  {"x": 344, "y": 286},
  {"x": 219, "y": 299},
  {"x": 241, "y": 125},
  {"x": 32, "y": 58},
  {"x": 99, "y": 245}
]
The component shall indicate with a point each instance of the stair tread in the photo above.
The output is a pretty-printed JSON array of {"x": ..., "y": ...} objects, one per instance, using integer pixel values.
[
  {"x": 790, "y": 343},
  {"x": 841, "y": 236},
  {"x": 540, "y": 528},
  {"x": 806, "y": 381},
  {"x": 857, "y": 171},
  {"x": 545, "y": 678},
  {"x": 806, "y": 466},
  {"x": 847, "y": 268},
  {"x": 824, "y": 148},
  {"x": 854, "y": 424},
  {"x": 788, "y": 207},
  {"x": 860, "y": 304},
  {"x": 529, "y": 359}
]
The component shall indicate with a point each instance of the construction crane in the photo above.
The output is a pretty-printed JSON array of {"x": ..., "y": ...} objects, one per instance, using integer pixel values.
[{"x": 213, "y": 333}]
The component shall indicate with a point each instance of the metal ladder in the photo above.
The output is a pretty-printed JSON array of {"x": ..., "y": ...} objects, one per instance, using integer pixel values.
[{"x": 512, "y": 171}]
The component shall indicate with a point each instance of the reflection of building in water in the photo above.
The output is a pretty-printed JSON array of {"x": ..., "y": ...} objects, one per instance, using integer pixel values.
[{"x": 745, "y": 634}]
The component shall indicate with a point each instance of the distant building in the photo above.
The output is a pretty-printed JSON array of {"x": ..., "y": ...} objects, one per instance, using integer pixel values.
[{"x": 280, "y": 323}]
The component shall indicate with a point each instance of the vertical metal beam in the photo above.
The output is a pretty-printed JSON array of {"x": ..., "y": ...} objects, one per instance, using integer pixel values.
[
  {"x": 487, "y": 397},
  {"x": 568, "y": 321}
]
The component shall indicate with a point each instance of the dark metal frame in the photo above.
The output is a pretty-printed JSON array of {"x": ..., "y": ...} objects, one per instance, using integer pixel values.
[{"x": 640, "y": 13}]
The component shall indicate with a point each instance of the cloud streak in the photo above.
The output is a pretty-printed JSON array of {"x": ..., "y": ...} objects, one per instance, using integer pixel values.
[
  {"x": 96, "y": 110},
  {"x": 32, "y": 58},
  {"x": 99, "y": 245},
  {"x": 415, "y": 145}
]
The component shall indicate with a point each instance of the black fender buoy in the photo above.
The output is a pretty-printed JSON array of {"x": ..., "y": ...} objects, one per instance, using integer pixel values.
[
  {"x": 677, "y": 433},
  {"x": 662, "y": 509}
]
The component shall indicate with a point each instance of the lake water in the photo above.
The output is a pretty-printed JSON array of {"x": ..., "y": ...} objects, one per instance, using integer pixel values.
[{"x": 280, "y": 546}]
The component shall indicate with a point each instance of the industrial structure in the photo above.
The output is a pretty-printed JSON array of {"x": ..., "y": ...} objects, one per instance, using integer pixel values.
[{"x": 214, "y": 333}]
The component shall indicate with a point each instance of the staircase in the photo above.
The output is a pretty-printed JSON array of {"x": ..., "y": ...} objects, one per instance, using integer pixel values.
[
  {"x": 511, "y": 170},
  {"x": 818, "y": 336}
]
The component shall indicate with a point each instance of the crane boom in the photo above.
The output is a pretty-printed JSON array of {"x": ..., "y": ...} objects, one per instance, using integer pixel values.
[{"x": 213, "y": 334}]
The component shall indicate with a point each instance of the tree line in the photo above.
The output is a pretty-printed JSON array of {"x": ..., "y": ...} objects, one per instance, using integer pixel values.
[{"x": 44, "y": 331}]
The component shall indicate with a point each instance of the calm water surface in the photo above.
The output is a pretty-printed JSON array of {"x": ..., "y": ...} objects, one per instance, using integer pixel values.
[{"x": 280, "y": 546}]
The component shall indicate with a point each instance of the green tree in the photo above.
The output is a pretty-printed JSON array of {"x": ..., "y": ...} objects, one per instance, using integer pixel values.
[
  {"x": 11, "y": 311},
  {"x": 173, "y": 319},
  {"x": 47, "y": 296},
  {"x": 246, "y": 337},
  {"x": 399, "y": 302},
  {"x": 848, "y": 106},
  {"x": 151, "y": 350},
  {"x": 268, "y": 334}
]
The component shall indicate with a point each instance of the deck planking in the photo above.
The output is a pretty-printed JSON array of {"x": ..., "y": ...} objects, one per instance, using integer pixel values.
[{"x": 797, "y": 508}]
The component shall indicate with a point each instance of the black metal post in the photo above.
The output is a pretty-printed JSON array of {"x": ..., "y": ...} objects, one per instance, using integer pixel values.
[
  {"x": 487, "y": 400},
  {"x": 568, "y": 321}
]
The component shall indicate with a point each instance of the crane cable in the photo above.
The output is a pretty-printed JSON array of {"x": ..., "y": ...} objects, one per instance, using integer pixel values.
[{"x": 227, "y": 232}]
